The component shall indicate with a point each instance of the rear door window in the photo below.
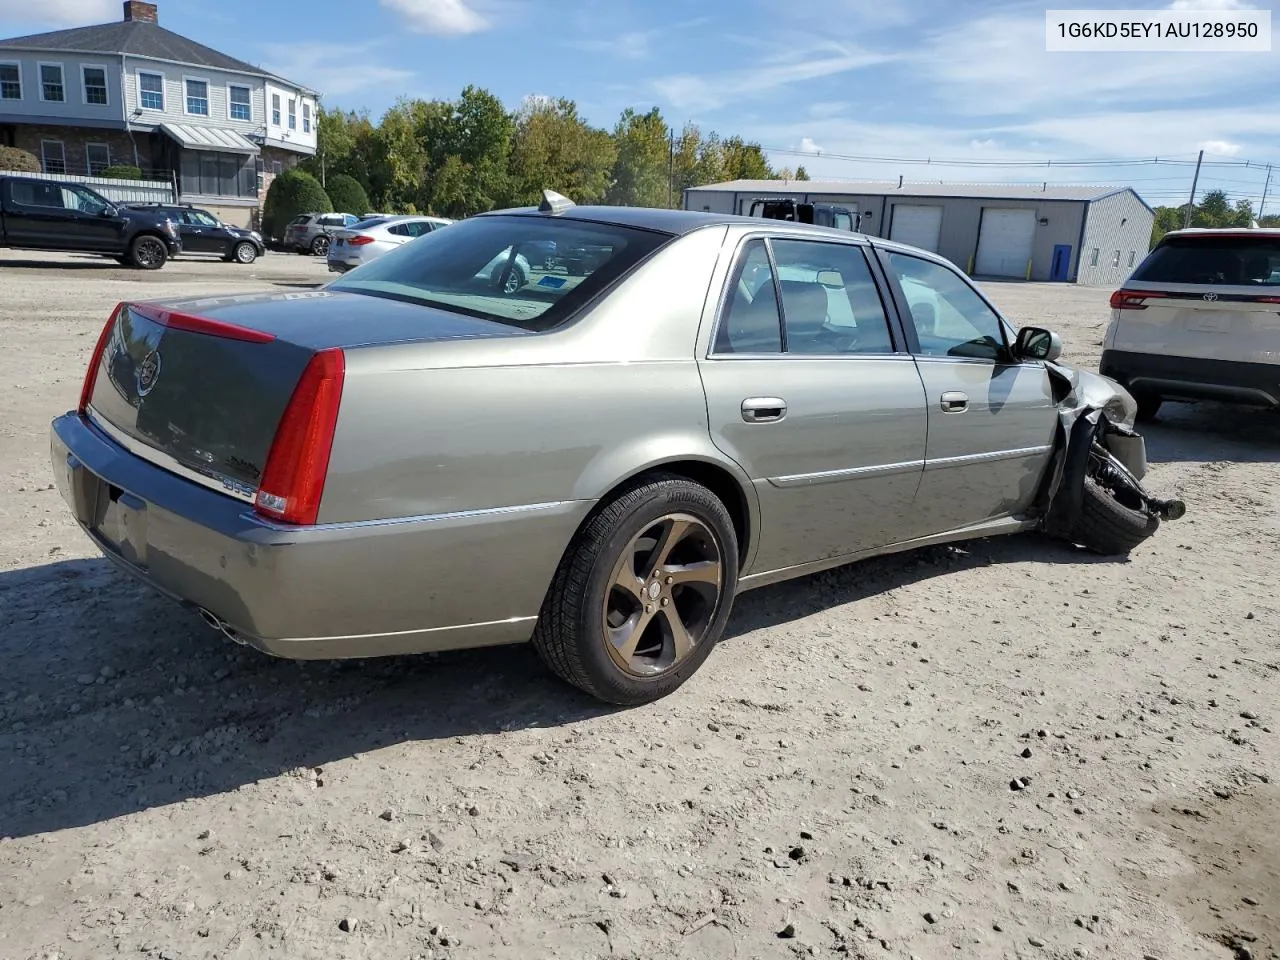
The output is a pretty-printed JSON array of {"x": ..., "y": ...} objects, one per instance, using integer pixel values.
[
  {"x": 1238, "y": 260},
  {"x": 29, "y": 193}
]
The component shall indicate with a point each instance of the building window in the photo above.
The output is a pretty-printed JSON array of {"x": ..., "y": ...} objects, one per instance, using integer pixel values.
[
  {"x": 1131, "y": 256},
  {"x": 306, "y": 118},
  {"x": 293, "y": 114},
  {"x": 98, "y": 156},
  {"x": 53, "y": 157},
  {"x": 1115, "y": 259},
  {"x": 95, "y": 85},
  {"x": 198, "y": 98},
  {"x": 240, "y": 108},
  {"x": 1093, "y": 257},
  {"x": 10, "y": 81},
  {"x": 51, "y": 86},
  {"x": 275, "y": 109},
  {"x": 209, "y": 174},
  {"x": 151, "y": 91}
]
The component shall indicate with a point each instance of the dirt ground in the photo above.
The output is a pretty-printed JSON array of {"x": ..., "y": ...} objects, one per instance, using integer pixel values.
[{"x": 835, "y": 781}]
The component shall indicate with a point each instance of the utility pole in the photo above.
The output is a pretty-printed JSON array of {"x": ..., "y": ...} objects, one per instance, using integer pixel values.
[
  {"x": 671, "y": 163},
  {"x": 1265, "y": 186},
  {"x": 1191, "y": 204}
]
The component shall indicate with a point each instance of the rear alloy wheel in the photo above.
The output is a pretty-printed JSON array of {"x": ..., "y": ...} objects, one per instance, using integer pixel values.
[
  {"x": 515, "y": 281},
  {"x": 320, "y": 246},
  {"x": 245, "y": 252},
  {"x": 642, "y": 594},
  {"x": 148, "y": 252}
]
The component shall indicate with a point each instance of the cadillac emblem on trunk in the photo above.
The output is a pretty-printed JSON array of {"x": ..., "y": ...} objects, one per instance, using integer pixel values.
[{"x": 148, "y": 373}]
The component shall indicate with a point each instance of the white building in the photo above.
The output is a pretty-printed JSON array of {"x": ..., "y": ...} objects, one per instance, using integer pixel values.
[{"x": 132, "y": 93}]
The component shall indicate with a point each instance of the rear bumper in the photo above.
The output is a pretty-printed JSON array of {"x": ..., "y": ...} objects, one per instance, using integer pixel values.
[
  {"x": 1188, "y": 378},
  {"x": 339, "y": 590}
]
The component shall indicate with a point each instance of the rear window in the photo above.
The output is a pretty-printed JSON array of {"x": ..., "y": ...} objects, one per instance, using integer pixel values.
[
  {"x": 485, "y": 267},
  {"x": 368, "y": 222},
  {"x": 300, "y": 220},
  {"x": 1231, "y": 261}
]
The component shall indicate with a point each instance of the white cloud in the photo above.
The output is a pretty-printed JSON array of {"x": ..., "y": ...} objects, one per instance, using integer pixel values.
[
  {"x": 312, "y": 64},
  {"x": 632, "y": 45},
  {"x": 1221, "y": 148},
  {"x": 442, "y": 17},
  {"x": 709, "y": 91},
  {"x": 60, "y": 13},
  {"x": 808, "y": 146}
]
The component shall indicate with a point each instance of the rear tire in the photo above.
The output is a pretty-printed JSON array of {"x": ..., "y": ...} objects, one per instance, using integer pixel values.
[
  {"x": 1148, "y": 406},
  {"x": 1107, "y": 526},
  {"x": 632, "y": 611},
  {"x": 148, "y": 252},
  {"x": 320, "y": 246}
]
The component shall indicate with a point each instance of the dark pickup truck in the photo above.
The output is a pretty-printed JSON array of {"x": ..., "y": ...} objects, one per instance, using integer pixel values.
[{"x": 49, "y": 215}]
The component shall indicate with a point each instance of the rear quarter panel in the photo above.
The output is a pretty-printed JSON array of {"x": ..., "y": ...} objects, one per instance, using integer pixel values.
[{"x": 472, "y": 425}]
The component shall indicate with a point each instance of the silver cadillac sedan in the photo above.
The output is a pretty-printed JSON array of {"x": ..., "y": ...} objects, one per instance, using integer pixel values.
[{"x": 424, "y": 456}]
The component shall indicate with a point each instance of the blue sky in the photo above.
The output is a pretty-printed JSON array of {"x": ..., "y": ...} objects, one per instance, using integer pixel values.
[{"x": 883, "y": 78}]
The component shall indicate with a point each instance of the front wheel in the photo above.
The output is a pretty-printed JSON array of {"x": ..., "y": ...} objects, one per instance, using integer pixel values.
[
  {"x": 1112, "y": 520},
  {"x": 148, "y": 252},
  {"x": 245, "y": 252},
  {"x": 1148, "y": 406},
  {"x": 642, "y": 594}
]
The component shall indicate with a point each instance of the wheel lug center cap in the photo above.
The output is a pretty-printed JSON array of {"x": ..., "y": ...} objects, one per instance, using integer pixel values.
[{"x": 654, "y": 589}]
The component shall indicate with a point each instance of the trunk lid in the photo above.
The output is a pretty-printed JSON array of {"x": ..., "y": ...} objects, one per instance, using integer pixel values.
[{"x": 200, "y": 385}]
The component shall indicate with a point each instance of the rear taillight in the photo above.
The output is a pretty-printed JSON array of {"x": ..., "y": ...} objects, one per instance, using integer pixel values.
[
  {"x": 360, "y": 241},
  {"x": 298, "y": 462},
  {"x": 1133, "y": 299},
  {"x": 95, "y": 361}
]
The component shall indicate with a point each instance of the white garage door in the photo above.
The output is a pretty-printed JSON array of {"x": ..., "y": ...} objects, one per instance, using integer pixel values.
[
  {"x": 916, "y": 225},
  {"x": 1004, "y": 242}
]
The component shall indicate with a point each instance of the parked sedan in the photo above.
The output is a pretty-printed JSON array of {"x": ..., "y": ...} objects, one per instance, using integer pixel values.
[
  {"x": 372, "y": 237},
  {"x": 202, "y": 232},
  {"x": 419, "y": 458}
]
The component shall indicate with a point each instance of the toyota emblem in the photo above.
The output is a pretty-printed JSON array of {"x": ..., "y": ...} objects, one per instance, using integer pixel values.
[{"x": 1211, "y": 297}]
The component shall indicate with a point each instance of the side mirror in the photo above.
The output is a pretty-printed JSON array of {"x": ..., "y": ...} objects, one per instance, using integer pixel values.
[
  {"x": 109, "y": 211},
  {"x": 1037, "y": 343}
]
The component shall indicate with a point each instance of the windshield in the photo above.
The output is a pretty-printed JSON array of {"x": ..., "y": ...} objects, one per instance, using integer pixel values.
[
  {"x": 498, "y": 268},
  {"x": 1235, "y": 260}
]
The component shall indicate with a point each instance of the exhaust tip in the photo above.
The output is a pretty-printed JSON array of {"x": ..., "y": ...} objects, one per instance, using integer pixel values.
[{"x": 213, "y": 620}]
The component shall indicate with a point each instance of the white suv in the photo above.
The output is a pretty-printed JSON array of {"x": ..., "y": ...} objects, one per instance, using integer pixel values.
[{"x": 1199, "y": 319}]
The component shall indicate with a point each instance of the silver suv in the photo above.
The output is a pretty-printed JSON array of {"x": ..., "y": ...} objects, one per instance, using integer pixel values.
[
  {"x": 311, "y": 232},
  {"x": 1199, "y": 319}
]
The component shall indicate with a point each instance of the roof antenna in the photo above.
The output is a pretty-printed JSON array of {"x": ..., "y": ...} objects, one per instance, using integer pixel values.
[{"x": 553, "y": 202}]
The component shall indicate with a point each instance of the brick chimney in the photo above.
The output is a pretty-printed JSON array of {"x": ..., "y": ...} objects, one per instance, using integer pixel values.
[{"x": 137, "y": 10}]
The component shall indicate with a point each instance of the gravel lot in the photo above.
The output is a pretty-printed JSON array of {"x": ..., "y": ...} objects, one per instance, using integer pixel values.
[{"x": 835, "y": 781}]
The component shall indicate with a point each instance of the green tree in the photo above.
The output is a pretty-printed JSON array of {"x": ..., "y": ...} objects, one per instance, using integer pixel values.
[
  {"x": 1214, "y": 210},
  {"x": 1270, "y": 220},
  {"x": 746, "y": 161},
  {"x": 476, "y": 131},
  {"x": 640, "y": 171},
  {"x": 347, "y": 195},
  {"x": 291, "y": 193},
  {"x": 552, "y": 147},
  {"x": 802, "y": 173},
  {"x": 396, "y": 162}
]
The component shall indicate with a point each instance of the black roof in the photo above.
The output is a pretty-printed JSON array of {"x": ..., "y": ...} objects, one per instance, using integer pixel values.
[{"x": 138, "y": 38}]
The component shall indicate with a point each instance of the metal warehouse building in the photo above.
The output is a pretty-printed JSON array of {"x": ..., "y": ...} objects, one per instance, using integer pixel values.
[{"x": 1077, "y": 234}]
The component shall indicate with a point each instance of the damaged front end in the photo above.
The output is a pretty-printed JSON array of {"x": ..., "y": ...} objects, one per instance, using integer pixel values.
[{"x": 1095, "y": 439}]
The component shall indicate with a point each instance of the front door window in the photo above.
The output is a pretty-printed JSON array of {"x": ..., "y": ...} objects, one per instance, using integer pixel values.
[{"x": 950, "y": 319}]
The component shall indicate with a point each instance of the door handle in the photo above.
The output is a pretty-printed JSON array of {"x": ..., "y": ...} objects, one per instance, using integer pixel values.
[
  {"x": 953, "y": 401},
  {"x": 763, "y": 409}
]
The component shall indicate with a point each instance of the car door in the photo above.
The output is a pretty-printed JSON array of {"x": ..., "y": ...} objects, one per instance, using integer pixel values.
[
  {"x": 89, "y": 221},
  {"x": 810, "y": 389},
  {"x": 992, "y": 418},
  {"x": 201, "y": 233},
  {"x": 33, "y": 213}
]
